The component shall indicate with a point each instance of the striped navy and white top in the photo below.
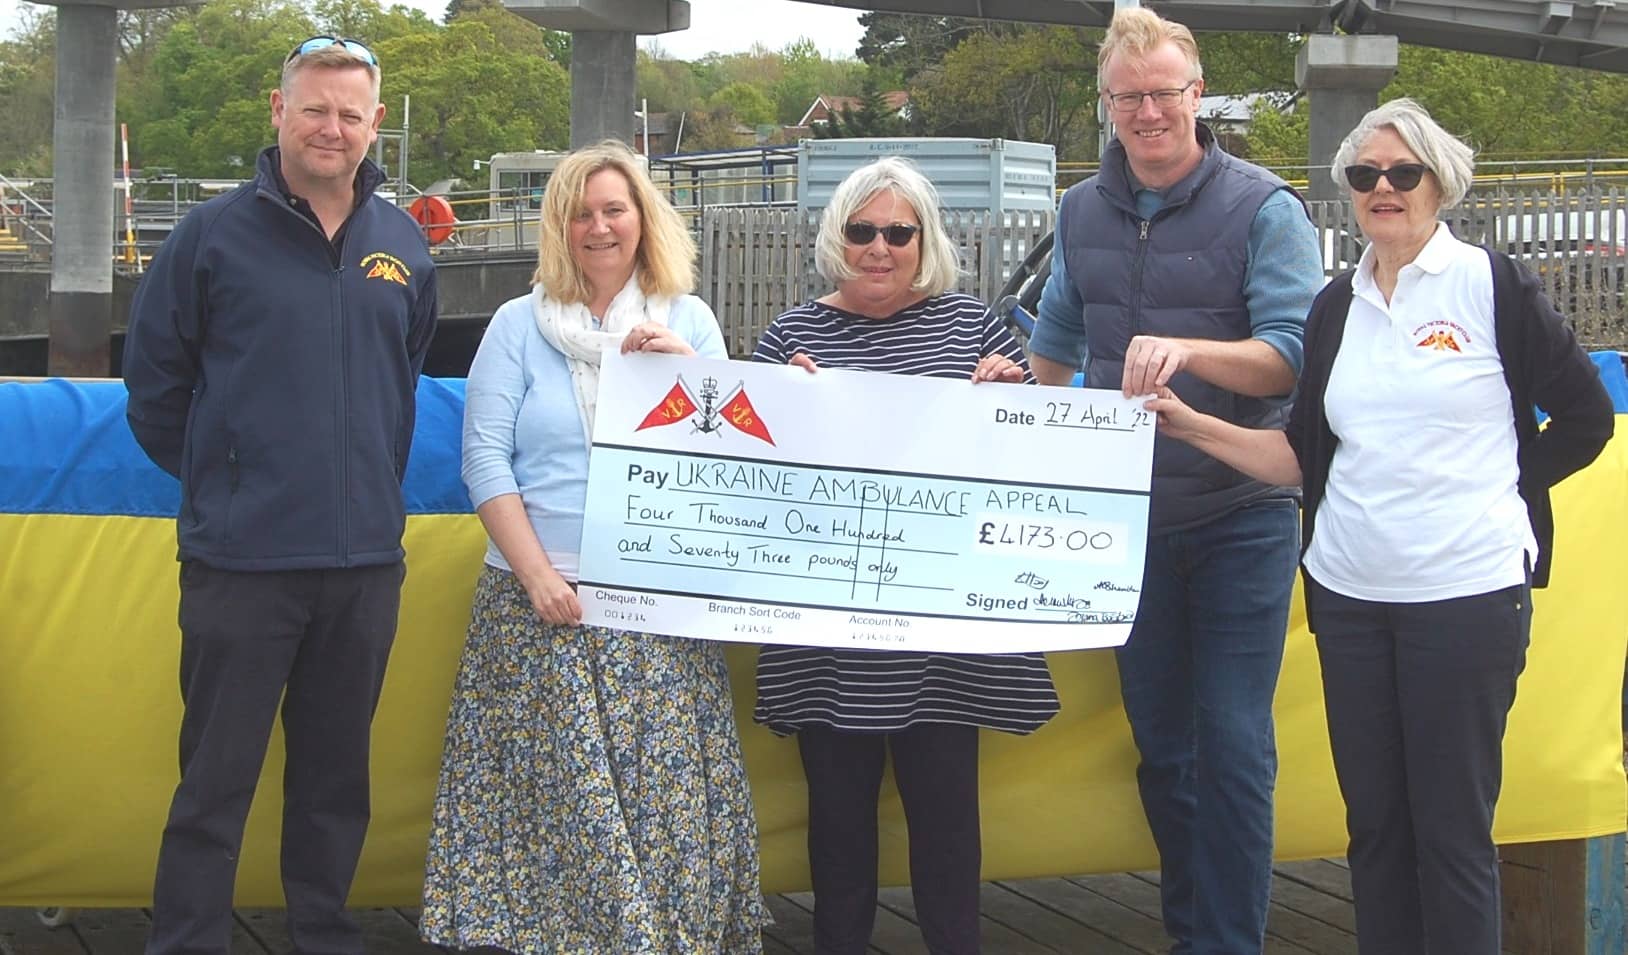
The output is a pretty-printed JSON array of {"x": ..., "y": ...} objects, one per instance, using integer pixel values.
[{"x": 883, "y": 691}]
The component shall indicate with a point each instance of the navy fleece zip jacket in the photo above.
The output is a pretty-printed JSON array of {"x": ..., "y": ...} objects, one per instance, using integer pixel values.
[{"x": 274, "y": 373}]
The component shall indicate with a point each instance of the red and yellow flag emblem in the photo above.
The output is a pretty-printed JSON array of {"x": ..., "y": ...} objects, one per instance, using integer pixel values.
[
  {"x": 740, "y": 413},
  {"x": 672, "y": 409}
]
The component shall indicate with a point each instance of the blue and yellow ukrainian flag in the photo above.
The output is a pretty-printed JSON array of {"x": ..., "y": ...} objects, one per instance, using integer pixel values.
[{"x": 90, "y": 702}]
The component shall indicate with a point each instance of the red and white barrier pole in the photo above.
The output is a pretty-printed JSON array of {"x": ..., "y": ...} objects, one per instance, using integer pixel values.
[{"x": 131, "y": 255}]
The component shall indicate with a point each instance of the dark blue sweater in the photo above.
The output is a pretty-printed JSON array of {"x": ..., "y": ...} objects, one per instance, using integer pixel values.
[{"x": 273, "y": 373}]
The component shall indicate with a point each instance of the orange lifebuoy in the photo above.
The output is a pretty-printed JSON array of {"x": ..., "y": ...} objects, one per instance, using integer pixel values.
[{"x": 434, "y": 213}]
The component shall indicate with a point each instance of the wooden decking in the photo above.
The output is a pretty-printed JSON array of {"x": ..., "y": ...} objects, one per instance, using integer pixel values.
[{"x": 1083, "y": 915}]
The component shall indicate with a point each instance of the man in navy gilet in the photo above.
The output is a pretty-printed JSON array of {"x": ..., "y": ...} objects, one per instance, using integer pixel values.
[{"x": 1178, "y": 265}]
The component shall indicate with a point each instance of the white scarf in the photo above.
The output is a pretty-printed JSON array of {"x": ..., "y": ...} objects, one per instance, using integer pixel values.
[{"x": 572, "y": 331}]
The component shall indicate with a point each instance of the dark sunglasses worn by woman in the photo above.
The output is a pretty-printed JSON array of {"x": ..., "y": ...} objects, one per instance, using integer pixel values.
[
  {"x": 864, "y": 233},
  {"x": 1404, "y": 177}
]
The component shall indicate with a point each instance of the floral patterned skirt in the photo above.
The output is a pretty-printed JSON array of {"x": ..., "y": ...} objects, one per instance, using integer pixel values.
[{"x": 592, "y": 795}]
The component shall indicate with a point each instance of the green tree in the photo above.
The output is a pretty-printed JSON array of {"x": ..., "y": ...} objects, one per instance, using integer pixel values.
[
  {"x": 668, "y": 85},
  {"x": 27, "y": 94},
  {"x": 759, "y": 67},
  {"x": 1280, "y": 139},
  {"x": 1239, "y": 64},
  {"x": 141, "y": 30},
  {"x": 204, "y": 111},
  {"x": 710, "y": 129},
  {"x": 1505, "y": 107},
  {"x": 456, "y": 7},
  {"x": 486, "y": 82},
  {"x": 807, "y": 75},
  {"x": 905, "y": 44},
  {"x": 476, "y": 91},
  {"x": 1029, "y": 83},
  {"x": 749, "y": 103},
  {"x": 368, "y": 21}
]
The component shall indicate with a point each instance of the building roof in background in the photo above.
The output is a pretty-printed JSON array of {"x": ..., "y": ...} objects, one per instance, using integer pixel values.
[
  {"x": 897, "y": 101},
  {"x": 1238, "y": 109}
]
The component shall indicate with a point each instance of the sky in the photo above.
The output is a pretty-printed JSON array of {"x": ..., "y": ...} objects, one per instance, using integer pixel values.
[
  {"x": 716, "y": 26},
  {"x": 732, "y": 26}
]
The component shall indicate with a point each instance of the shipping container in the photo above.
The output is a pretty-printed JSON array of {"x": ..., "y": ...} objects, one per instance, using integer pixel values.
[{"x": 993, "y": 175}]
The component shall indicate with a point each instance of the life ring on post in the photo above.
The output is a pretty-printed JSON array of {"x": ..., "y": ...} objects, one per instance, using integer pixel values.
[{"x": 434, "y": 214}]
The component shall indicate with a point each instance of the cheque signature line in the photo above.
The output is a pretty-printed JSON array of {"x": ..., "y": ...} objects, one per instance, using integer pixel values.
[
  {"x": 767, "y": 573},
  {"x": 789, "y": 540},
  {"x": 848, "y": 608},
  {"x": 776, "y": 499}
]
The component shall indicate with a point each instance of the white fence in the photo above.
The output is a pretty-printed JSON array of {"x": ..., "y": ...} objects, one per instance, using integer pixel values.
[
  {"x": 1575, "y": 242},
  {"x": 758, "y": 262}
]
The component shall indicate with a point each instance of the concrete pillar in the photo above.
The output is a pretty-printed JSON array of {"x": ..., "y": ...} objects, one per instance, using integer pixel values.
[
  {"x": 604, "y": 54},
  {"x": 602, "y": 86},
  {"x": 1342, "y": 77},
  {"x": 82, "y": 144}
]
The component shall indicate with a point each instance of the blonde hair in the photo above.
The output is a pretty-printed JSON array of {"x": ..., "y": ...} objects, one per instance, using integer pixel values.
[
  {"x": 1137, "y": 32},
  {"x": 331, "y": 57},
  {"x": 936, "y": 270},
  {"x": 1447, "y": 157},
  {"x": 666, "y": 255}
]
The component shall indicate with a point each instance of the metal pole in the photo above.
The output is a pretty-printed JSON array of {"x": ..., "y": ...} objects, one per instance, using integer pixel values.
[
  {"x": 644, "y": 115},
  {"x": 130, "y": 253},
  {"x": 406, "y": 135}
]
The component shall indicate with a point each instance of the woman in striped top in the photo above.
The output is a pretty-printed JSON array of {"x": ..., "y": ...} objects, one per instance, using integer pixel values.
[{"x": 892, "y": 312}]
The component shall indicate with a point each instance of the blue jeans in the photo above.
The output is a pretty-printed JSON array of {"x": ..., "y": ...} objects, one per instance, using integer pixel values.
[{"x": 1197, "y": 676}]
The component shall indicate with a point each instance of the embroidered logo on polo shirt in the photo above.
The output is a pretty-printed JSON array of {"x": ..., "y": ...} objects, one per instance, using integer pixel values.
[
  {"x": 1441, "y": 336},
  {"x": 387, "y": 267}
]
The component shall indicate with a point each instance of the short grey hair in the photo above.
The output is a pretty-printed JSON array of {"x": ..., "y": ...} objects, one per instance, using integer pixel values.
[
  {"x": 331, "y": 57},
  {"x": 936, "y": 271},
  {"x": 1449, "y": 158}
]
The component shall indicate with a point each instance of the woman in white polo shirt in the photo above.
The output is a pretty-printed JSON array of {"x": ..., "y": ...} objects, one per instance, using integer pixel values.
[{"x": 1426, "y": 523}]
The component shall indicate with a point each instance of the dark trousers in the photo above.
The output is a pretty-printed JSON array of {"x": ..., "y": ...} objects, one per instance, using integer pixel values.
[
  {"x": 317, "y": 641},
  {"x": 1417, "y": 697},
  {"x": 1198, "y": 676},
  {"x": 936, "y": 768}
]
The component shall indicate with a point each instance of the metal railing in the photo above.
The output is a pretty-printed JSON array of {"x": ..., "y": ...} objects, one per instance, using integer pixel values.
[
  {"x": 1556, "y": 174},
  {"x": 21, "y": 214},
  {"x": 1566, "y": 220}
]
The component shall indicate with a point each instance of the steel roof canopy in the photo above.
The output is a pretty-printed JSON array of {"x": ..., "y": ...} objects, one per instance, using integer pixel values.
[{"x": 1587, "y": 33}]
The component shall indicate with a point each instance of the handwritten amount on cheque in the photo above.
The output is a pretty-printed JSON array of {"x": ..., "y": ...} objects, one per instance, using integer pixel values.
[{"x": 753, "y": 512}]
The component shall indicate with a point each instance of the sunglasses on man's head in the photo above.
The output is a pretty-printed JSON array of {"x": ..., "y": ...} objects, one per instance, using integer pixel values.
[
  {"x": 1404, "y": 177},
  {"x": 353, "y": 47},
  {"x": 864, "y": 233}
]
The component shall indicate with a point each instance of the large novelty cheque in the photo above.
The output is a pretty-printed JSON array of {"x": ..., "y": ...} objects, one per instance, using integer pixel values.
[{"x": 763, "y": 504}]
